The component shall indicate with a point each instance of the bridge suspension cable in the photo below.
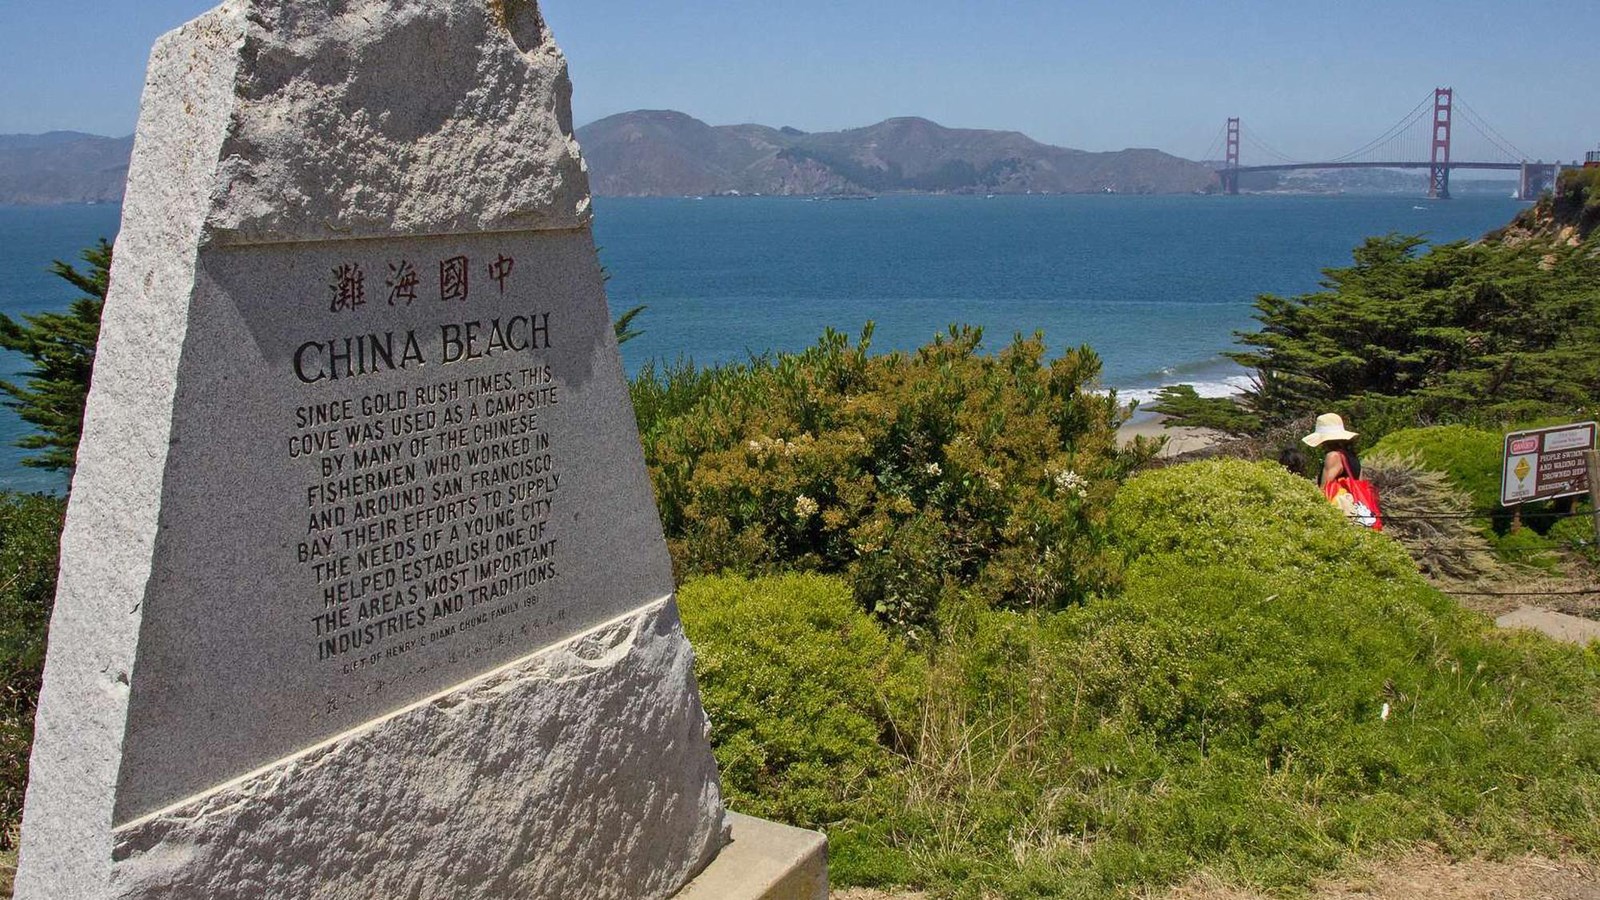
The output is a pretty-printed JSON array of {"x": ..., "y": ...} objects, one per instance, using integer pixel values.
[
  {"x": 1217, "y": 141},
  {"x": 1490, "y": 133},
  {"x": 1262, "y": 146},
  {"x": 1406, "y": 139},
  {"x": 1417, "y": 114}
]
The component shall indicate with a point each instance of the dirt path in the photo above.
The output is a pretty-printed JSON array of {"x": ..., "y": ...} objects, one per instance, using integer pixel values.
[
  {"x": 1560, "y": 626},
  {"x": 1420, "y": 876},
  {"x": 1428, "y": 876}
]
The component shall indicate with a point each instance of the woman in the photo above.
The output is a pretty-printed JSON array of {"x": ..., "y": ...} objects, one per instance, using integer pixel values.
[
  {"x": 1340, "y": 461},
  {"x": 1341, "y": 472}
]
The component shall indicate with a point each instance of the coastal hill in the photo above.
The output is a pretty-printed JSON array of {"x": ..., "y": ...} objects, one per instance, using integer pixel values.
[
  {"x": 62, "y": 167},
  {"x": 666, "y": 153}
]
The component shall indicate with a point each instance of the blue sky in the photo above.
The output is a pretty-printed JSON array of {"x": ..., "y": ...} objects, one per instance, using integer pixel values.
[{"x": 1313, "y": 79}]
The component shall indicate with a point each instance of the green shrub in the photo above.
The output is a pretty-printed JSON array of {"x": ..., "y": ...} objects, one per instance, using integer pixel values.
[
  {"x": 907, "y": 474},
  {"x": 1470, "y": 457},
  {"x": 1576, "y": 200},
  {"x": 1527, "y": 547},
  {"x": 1247, "y": 516},
  {"x": 1576, "y": 534},
  {"x": 1244, "y": 570},
  {"x": 30, "y": 532},
  {"x": 1274, "y": 692},
  {"x": 809, "y": 700}
]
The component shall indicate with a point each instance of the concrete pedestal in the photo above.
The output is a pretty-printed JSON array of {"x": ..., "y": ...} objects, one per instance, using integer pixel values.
[{"x": 766, "y": 861}]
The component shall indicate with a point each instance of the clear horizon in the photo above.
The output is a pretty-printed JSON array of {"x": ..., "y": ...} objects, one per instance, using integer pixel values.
[{"x": 1096, "y": 76}]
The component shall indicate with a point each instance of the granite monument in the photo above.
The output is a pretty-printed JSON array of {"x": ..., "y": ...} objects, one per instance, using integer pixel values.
[{"x": 363, "y": 590}]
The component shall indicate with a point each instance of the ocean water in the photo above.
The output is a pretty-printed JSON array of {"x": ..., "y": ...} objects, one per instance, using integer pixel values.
[{"x": 1157, "y": 285}]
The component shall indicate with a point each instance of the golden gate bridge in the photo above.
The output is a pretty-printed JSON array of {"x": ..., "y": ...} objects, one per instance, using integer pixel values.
[{"x": 1425, "y": 138}]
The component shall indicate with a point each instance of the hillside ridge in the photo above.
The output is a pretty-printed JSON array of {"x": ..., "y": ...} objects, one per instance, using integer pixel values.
[
  {"x": 63, "y": 167},
  {"x": 669, "y": 153}
]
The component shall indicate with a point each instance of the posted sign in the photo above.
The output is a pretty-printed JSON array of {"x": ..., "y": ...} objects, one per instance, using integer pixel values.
[{"x": 1546, "y": 463}]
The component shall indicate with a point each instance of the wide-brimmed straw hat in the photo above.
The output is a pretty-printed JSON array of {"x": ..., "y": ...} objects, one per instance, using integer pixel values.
[{"x": 1329, "y": 428}]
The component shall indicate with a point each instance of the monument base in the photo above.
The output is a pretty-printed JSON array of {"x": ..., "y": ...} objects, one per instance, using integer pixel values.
[
  {"x": 766, "y": 861},
  {"x": 580, "y": 771}
]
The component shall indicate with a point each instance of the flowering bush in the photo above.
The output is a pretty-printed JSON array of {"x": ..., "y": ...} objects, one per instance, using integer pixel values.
[{"x": 907, "y": 473}]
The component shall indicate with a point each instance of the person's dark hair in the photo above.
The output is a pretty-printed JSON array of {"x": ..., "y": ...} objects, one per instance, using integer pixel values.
[{"x": 1295, "y": 460}]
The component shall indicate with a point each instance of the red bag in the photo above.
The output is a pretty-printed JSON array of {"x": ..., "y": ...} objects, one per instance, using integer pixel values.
[{"x": 1362, "y": 507}]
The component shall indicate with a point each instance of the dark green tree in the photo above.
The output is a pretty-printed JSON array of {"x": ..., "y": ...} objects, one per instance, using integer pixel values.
[
  {"x": 1488, "y": 332},
  {"x": 61, "y": 348}
]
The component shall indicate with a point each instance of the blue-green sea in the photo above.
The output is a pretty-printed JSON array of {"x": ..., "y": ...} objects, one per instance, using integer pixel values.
[{"x": 1158, "y": 285}]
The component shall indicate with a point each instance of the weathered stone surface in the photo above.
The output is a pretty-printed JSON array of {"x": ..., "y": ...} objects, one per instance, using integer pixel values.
[
  {"x": 324, "y": 479},
  {"x": 572, "y": 758},
  {"x": 113, "y": 517},
  {"x": 365, "y": 118}
]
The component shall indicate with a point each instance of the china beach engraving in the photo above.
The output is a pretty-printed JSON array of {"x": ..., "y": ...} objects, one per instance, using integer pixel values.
[
  {"x": 428, "y": 510},
  {"x": 452, "y": 514},
  {"x": 424, "y": 465}
]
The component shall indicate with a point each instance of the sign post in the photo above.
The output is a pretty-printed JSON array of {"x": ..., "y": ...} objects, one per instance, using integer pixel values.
[
  {"x": 1548, "y": 463},
  {"x": 1593, "y": 459}
]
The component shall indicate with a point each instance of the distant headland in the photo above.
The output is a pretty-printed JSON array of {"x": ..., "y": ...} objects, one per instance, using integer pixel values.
[
  {"x": 62, "y": 167},
  {"x": 665, "y": 153}
]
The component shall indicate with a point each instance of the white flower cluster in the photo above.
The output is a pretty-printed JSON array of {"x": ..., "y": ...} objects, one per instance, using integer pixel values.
[
  {"x": 805, "y": 507},
  {"x": 766, "y": 446},
  {"x": 933, "y": 470},
  {"x": 1072, "y": 483}
]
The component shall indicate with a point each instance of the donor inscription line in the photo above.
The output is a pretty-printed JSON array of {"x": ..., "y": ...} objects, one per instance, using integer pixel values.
[{"x": 427, "y": 511}]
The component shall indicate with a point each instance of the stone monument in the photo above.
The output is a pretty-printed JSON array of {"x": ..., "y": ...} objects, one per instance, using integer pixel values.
[{"x": 363, "y": 590}]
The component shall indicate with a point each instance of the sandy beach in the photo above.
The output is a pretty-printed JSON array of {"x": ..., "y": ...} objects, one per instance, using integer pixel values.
[{"x": 1180, "y": 439}]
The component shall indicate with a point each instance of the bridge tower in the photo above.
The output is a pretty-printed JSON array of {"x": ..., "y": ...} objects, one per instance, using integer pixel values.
[
  {"x": 1230, "y": 175},
  {"x": 1537, "y": 177},
  {"x": 1439, "y": 171}
]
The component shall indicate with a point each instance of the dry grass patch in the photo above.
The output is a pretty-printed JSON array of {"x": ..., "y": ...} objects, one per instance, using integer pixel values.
[{"x": 1428, "y": 875}]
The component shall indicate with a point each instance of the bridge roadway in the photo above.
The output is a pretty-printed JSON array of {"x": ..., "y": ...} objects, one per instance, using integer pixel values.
[
  {"x": 1285, "y": 167},
  {"x": 1536, "y": 176}
]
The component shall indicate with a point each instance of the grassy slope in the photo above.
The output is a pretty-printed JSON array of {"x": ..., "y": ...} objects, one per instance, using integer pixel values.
[{"x": 1225, "y": 712}]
